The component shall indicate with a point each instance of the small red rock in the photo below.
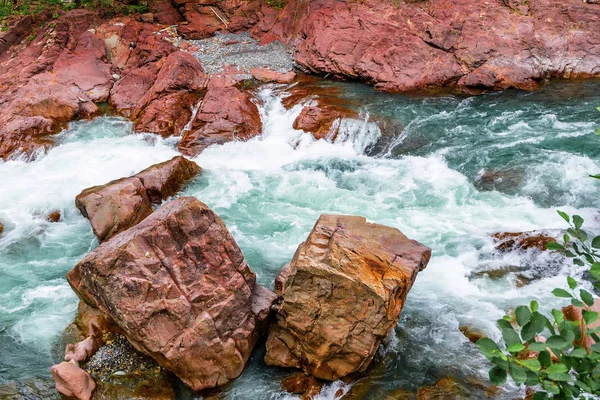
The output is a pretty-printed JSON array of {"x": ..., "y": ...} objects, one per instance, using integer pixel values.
[
  {"x": 72, "y": 381},
  {"x": 54, "y": 216}
]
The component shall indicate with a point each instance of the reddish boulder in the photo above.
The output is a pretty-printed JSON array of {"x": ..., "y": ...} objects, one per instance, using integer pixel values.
[
  {"x": 178, "y": 286},
  {"x": 344, "y": 291},
  {"x": 323, "y": 121},
  {"x": 72, "y": 381},
  {"x": 82, "y": 351},
  {"x": 168, "y": 115},
  {"x": 121, "y": 204},
  {"x": 54, "y": 216},
  {"x": 200, "y": 24},
  {"x": 115, "y": 206},
  {"x": 301, "y": 383},
  {"x": 167, "y": 178},
  {"x": 179, "y": 71},
  {"x": 128, "y": 91},
  {"x": 507, "y": 241},
  {"x": 268, "y": 75},
  {"x": 226, "y": 114}
]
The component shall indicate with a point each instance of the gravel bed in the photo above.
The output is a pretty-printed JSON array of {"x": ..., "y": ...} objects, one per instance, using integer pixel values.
[
  {"x": 119, "y": 358},
  {"x": 241, "y": 51}
]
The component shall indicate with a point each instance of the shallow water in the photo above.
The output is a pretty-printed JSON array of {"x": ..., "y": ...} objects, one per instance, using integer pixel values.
[{"x": 445, "y": 170}]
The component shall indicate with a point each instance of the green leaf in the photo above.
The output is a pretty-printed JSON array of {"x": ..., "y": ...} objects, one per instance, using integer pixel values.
[
  {"x": 537, "y": 346},
  {"x": 503, "y": 324},
  {"x": 596, "y": 240},
  {"x": 561, "y": 293},
  {"x": 558, "y": 316},
  {"x": 563, "y": 215},
  {"x": 532, "y": 378},
  {"x": 595, "y": 176},
  {"x": 560, "y": 377},
  {"x": 534, "y": 305},
  {"x": 569, "y": 335},
  {"x": 557, "y": 368},
  {"x": 531, "y": 364},
  {"x": 497, "y": 376},
  {"x": 510, "y": 337},
  {"x": 595, "y": 268},
  {"x": 533, "y": 327},
  {"x": 590, "y": 317},
  {"x": 487, "y": 347},
  {"x": 539, "y": 395},
  {"x": 523, "y": 315},
  {"x": 515, "y": 348},
  {"x": 571, "y": 282},
  {"x": 556, "y": 342},
  {"x": 554, "y": 246},
  {"x": 578, "y": 262},
  {"x": 550, "y": 387},
  {"x": 577, "y": 221},
  {"x": 544, "y": 358},
  {"x": 597, "y": 131},
  {"x": 586, "y": 297},
  {"x": 578, "y": 353},
  {"x": 577, "y": 303},
  {"x": 598, "y": 108},
  {"x": 499, "y": 362},
  {"x": 517, "y": 374}
]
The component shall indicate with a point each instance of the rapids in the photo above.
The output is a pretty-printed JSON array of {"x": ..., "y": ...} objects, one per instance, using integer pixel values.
[{"x": 445, "y": 170}]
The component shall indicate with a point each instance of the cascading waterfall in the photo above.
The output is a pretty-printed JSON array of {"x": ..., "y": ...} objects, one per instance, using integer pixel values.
[{"x": 271, "y": 189}]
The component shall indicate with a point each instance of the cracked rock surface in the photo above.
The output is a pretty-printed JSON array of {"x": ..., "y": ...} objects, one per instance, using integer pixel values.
[
  {"x": 342, "y": 295},
  {"x": 179, "y": 288}
]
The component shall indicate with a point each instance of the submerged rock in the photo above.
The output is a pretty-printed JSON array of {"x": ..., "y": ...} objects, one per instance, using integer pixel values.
[
  {"x": 54, "y": 216},
  {"x": 343, "y": 294},
  {"x": 123, "y": 203},
  {"x": 1, "y": 228},
  {"x": 303, "y": 384},
  {"x": 322, "y": 120},
  {"x": 179, "y": 288},
  {"x": 507, "y": 241},
  {"x": 72, "y": 381}
]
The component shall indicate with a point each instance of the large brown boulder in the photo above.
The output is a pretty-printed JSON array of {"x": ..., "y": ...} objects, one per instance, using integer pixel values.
[
  {"x": 179, "y": 288},
  {"x": 122, "y": 203},
  {"x": 343, "y": 294},
  {"x": 226, "y": 114}
]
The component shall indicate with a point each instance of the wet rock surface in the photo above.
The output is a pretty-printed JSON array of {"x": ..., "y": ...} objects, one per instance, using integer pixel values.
[
  {"x": 226, "y": 114},
  {"x": 507, "y": 241},
  {"x": 179, "y": 288},
  {"x": 343, "y": 294},
  {"x": 123, "y": 203}
]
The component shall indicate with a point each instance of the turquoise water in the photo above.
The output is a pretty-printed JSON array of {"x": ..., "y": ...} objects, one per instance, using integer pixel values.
[{"x": 449, "y": 172}]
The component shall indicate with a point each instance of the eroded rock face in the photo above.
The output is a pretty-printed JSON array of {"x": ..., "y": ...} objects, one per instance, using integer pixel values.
[
  {"x": 45, "y": 87},
  {"x": 343, "y": 294},
  {"x": 322, "y": 120},
  {"x": 179, "y": 288},
  {"x": 467, "y": 44},
  {"x": 226, "y": 114},
  {"x": 121, "y": 204}
]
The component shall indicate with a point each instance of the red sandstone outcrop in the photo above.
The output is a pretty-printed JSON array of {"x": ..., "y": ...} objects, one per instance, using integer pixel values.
[
  {"x": 226, "y": 114},
  {"x": 467, "y": 44},
  {"x": 121, "y": 204},
  {"x": 56, "y": 78},
  {"x": 343, "y": 294},
  {"x": 179, "y": 288}
]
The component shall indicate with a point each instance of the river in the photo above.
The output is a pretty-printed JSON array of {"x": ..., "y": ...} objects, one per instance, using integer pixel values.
[{"x": 452, "y": 171}]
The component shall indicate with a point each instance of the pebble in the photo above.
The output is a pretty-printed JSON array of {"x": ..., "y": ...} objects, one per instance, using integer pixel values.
[{"x": 242, "y": 52}]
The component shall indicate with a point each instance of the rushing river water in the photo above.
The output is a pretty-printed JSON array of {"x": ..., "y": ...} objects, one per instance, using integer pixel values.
[{"x": 452, "y": 171}]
